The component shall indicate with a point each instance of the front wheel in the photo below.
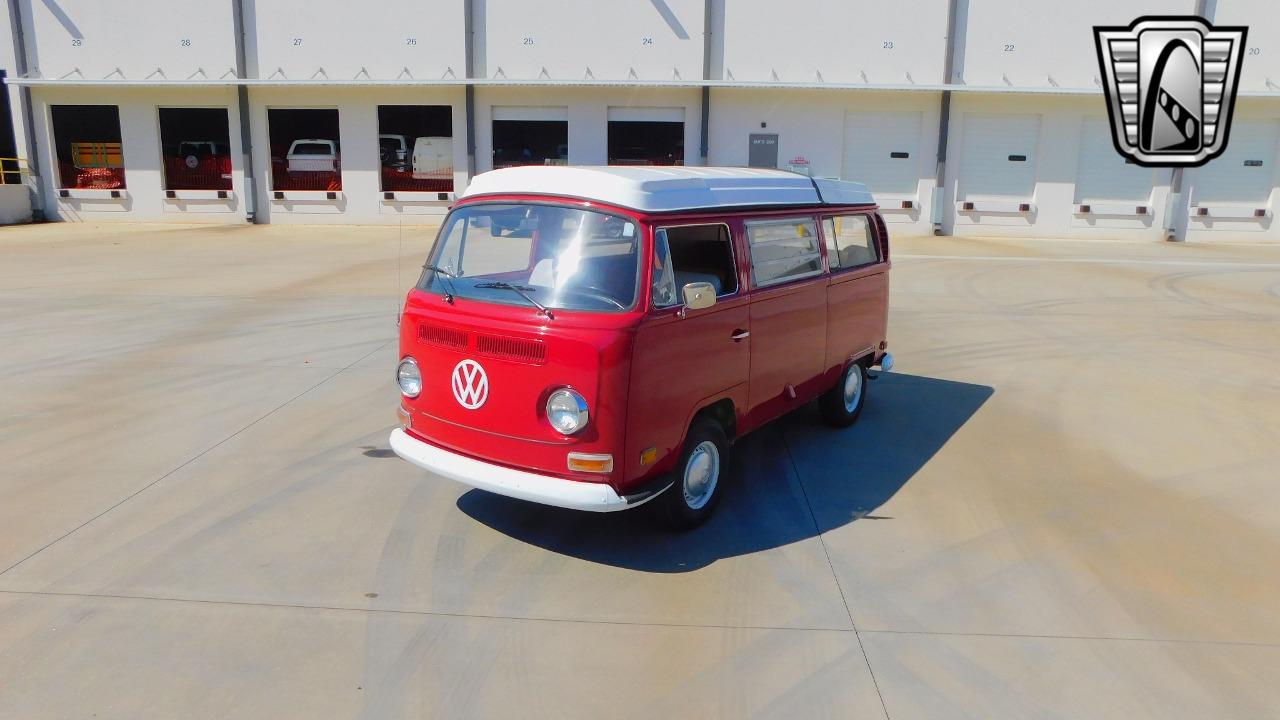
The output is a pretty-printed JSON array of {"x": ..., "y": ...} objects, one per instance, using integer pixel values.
[
  {"x": 842, "y": 404},
  {"x": 693, "y": 496}
]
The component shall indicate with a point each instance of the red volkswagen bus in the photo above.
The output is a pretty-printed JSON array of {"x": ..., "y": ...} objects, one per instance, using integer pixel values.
[{"x": 596, "y": 338}]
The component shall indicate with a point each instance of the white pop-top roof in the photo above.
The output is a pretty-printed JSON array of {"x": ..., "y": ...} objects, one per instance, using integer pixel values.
[{"x": 664, "y": 189}]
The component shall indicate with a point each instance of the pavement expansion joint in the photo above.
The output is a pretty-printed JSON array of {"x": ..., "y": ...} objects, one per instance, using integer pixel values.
[
  {"x": 195, "y": 457},
  {"x": 786, "y": 446},
  {"x": 420, "y": 613}
]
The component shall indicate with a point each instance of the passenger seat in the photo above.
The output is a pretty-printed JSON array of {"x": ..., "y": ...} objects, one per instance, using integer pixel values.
[{"x": 684, "y": 277}]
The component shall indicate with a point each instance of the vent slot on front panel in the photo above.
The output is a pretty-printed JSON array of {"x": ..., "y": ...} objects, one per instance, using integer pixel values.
[
  {"x": 443, "y": 336},
  {"x": 509, "y": 348}
]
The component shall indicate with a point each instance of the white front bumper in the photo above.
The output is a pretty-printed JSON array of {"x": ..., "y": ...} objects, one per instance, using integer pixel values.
[{"x": 544, "y": 489}]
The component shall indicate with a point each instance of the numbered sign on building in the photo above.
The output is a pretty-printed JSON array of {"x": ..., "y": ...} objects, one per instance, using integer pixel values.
[{"x": 763, "y": 152}]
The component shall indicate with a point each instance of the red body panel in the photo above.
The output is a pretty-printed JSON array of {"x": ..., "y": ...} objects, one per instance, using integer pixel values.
[
  {"x": 645, "y": 373},
  {"x": 678, "y": 366},
  {"x": 590, "y": 354},
  {"x": 788, "y": 347},
  {"x": 856, "y": 321}
]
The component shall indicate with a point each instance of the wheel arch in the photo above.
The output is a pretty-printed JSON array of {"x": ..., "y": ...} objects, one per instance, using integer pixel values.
[{"x": 722, "y": 411}]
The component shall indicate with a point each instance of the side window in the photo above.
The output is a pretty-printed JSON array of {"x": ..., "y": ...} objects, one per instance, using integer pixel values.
[
  {"x": 783, "y": 250},
  {"x": 692, "y": 253},
  {"x": 851, "y": 241}
]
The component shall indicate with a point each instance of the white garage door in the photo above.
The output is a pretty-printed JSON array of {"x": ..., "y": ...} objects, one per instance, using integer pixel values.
[
  {"x": 1102, "y": 173},
  {"x": 881, "y": 149},
  {"x": 998, "y": 156},
  {"x": 1244, "y": 173}
]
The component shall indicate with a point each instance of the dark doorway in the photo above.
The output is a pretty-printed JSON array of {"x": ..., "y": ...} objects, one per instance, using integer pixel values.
[
  {"x": 646, "y": 143},
  {"x": 415, "y": 147},
  {"x": 10, "y": 172},
  {"x": 86, "y": 142},
  {"x": 195, "y": 144},
  {"x": 763, "y": 150},
  {"x": 305, "y": 152},
  {"x": 530, "y": 142}
]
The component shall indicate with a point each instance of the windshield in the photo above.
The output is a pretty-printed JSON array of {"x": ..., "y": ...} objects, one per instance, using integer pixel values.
[{"x": 558, "y": 257}]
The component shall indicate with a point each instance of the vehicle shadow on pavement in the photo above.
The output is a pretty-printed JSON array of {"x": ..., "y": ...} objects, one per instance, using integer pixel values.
[{"x": 792, "y": 479}]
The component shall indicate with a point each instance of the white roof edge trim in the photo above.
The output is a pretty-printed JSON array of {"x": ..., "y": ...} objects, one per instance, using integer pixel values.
[{"x": 670, "y": 189}]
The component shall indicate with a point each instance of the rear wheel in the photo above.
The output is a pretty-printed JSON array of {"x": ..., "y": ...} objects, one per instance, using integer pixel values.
[
  {"x": 842, "y": 404},
  {"x": 698, "y": 477}
]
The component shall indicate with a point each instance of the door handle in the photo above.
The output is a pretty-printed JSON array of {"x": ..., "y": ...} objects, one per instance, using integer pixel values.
[{"x": 740, "y": 335}]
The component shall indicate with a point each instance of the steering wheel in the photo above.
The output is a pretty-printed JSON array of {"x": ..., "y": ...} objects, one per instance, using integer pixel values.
[{"x": 598, "y": 294}]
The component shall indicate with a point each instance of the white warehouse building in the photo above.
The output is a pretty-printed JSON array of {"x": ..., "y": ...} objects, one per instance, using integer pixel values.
[{"x": 965, "y": 117}]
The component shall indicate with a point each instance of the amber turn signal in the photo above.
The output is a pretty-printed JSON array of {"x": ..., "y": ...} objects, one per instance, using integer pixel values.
[
  {"x": 648, "y": 456},
  {"x": 403, "y": 416},
  {"x": 584, "y": 462}
]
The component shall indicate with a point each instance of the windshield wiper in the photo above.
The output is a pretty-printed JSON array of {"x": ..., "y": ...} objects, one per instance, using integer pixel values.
[
  {"x": 448, "y": 283},
  {"x": 523, "y": 291}
]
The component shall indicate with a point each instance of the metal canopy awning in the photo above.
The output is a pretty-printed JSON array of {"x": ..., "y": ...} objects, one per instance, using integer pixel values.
[
  {"x": 539, "y": 82},
  {"x": 583, "y": 83}
]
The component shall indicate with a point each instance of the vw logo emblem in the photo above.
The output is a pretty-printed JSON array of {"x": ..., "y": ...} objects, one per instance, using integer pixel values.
[{"x": 470, "y": 384}]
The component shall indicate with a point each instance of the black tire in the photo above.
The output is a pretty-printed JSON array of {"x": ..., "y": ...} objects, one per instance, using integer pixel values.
[
  {"x": 837, "y": 411},
  {"x": 674, "y": 507}
]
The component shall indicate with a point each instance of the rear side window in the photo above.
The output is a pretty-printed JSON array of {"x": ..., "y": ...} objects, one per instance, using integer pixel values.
[
  {"x": 783, "y": 250},
  {"x": 851, "y": 241}
]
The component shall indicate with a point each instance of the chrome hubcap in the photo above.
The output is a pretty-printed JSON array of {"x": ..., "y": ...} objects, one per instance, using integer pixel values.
[
  {"x": 852, "y": 388},
  {"x": 700, "y": 474}
]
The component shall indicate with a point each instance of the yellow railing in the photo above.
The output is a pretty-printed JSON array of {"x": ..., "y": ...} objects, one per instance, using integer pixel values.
[{"x": 16, "y": 167}]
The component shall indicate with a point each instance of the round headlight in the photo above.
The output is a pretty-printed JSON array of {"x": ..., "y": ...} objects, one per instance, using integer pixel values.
[
  {"x": 567, "y": 411},
  {"x": 409, "y": 377}
]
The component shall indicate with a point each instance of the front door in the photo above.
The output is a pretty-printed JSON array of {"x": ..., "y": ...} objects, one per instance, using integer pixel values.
[{"x": 683, "y": 359}]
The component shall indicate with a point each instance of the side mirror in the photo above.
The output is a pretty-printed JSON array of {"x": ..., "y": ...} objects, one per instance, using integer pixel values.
[{"x": 699, "y": 295}]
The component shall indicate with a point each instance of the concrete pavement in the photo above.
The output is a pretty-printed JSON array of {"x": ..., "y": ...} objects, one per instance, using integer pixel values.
[{"x": 1062, "y": 503}]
